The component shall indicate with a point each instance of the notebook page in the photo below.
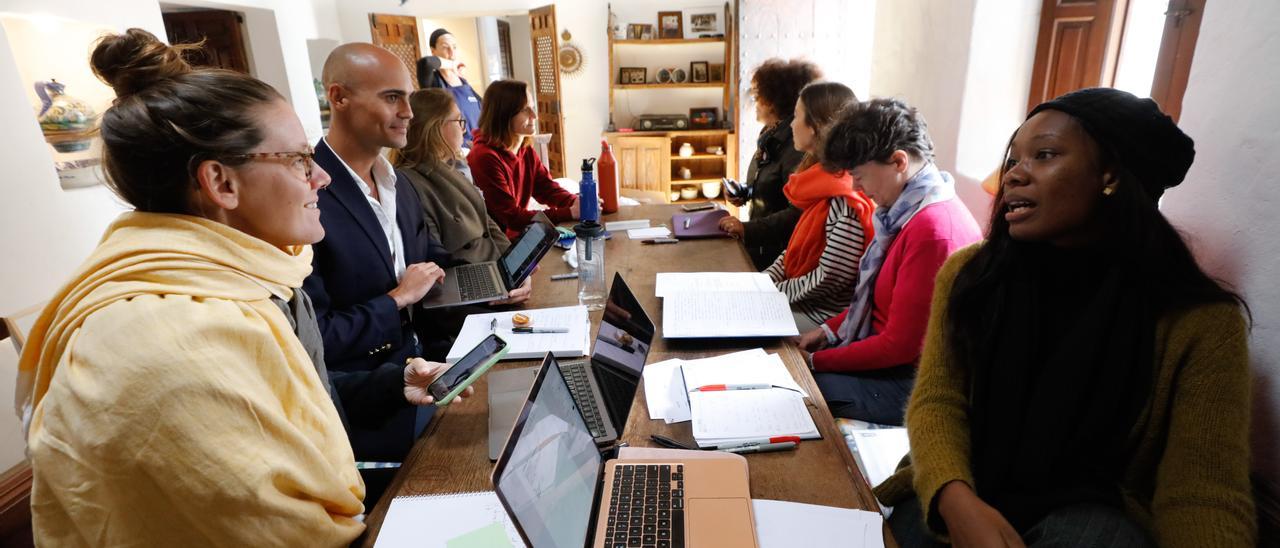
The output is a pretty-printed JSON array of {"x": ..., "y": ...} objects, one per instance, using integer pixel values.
[
  {"x": 749, "y": 414},
  {"x": 443, "y": 521},
  {"x": 782, "y": 524},
  {"x": 727, "y": 314},
  {"x": 576, "y": 342},
  {"x": 754, "y": 369},
  {"x": 670, "y": 283}
]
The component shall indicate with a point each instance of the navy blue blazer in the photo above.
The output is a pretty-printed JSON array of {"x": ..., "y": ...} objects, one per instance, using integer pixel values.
[{"x": 352, "y": 271}]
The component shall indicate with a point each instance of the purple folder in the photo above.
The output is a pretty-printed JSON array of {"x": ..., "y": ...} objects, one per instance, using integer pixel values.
[{"x": 702, "y": 224}]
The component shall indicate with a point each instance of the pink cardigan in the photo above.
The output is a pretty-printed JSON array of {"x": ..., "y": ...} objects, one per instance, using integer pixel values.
[{"x": 903, "y": 291}]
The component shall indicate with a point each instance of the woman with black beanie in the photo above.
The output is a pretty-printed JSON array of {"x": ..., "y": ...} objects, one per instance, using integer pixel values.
[{"x": 1084, "y": 382}]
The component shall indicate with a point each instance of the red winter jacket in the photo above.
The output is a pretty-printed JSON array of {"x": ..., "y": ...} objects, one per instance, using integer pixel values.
[{"x": 509, "y": 180}]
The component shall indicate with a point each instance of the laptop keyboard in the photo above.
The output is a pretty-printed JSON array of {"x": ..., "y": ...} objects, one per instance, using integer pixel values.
[
  {"x": 646, "y": 508},
  {"x": 474, "y": 282},
  {"x": 575, "y": 375}
]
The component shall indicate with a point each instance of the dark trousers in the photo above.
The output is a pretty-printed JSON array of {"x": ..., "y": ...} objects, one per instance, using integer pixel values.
[
  {"x": 1079, "y": 525},
  {"x": 873, "y": 396}
]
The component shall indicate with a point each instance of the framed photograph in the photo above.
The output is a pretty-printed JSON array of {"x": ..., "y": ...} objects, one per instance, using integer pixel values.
[
  {"x": 715, "y": 72},
  {"x": 632, "y": 75},
  {"x": 670, "y": 24},
  {"x": 698, "y": 72},
  {"x": 703, "y": 118},
  {"x": 637, "y": 31},
  {"x": 704, "y": 22}
]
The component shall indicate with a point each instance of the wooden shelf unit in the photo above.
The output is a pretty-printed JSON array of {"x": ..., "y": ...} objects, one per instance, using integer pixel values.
[{"x": 650, "y": 161}]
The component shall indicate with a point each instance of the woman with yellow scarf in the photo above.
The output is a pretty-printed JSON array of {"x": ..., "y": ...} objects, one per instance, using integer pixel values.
[{"x": 167, "y": 397}]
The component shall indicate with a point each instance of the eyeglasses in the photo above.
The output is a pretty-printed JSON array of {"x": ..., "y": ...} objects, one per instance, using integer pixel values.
[
  {"x": 462, "y": 122},
  {"x": 306, "y": 158}
]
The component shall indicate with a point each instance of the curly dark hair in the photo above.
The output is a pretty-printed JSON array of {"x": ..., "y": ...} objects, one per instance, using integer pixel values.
[
  {"x": 873, "y": 131},
  {"x": 778, "y": 82}
]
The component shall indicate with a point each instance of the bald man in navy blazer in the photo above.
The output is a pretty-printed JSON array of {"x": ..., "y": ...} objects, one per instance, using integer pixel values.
[{"x": 377, "y": 259}]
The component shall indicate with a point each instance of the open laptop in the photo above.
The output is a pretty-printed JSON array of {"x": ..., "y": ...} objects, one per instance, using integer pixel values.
[
  {"x": 559, "y": 490},
  {"x": 604, "y": 386},
  {"x": 490, "y": 281}
]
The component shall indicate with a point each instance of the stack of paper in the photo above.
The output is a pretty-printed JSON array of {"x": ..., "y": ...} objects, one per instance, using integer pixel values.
[
  {"x": 664, "y": 384},
  {"x": 649, "y": 233},
  {"x": 723, "y": 304},
  {"x": 785, "y": 524},
  {"x": 524, "y": 346},
  {"x": 739, "y": 416},
  {"x": 879, "y": 451}
]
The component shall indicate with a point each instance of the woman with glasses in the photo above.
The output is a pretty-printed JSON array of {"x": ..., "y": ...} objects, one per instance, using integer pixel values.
[
  {"x": 433, "y": 162},
  {"x": 174, "y": 390},
  {"x": 775, "y": 87},
  {"x": 504, "y": 166}
]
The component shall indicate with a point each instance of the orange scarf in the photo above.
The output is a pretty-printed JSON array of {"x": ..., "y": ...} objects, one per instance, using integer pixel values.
[{"x": 812, "y": 190}]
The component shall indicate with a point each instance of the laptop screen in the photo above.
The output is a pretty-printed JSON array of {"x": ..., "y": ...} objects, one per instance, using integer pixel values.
[
  {"x": 551, "y": 467},
  {"x": 520, "y": 258},
  {"x": 625, "y": 331}
]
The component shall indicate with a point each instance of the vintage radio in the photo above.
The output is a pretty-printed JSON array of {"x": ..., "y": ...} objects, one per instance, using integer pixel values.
[{"x": 661, "y": 122}]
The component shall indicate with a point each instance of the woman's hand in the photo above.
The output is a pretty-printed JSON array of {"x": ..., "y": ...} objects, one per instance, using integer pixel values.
[
  {"x": 811, "y": 341},
  {"x": 972, "y": 522},
  {"x": 732, "y": 225},
  {"x": 517, "y": 295},
  {"x": 576, "y": 208},
  {"x": 419, "y": 374}
]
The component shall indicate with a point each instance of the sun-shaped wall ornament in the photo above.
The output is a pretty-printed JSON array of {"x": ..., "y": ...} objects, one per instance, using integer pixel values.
[{"x": 570, "y": 56}]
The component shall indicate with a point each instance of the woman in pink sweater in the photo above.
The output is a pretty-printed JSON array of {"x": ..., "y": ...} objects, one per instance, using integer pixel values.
[{"x": 864, "y": 359}]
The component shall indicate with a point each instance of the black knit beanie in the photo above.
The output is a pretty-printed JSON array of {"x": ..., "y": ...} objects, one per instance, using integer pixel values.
[{"x": 1146, "y": 141}]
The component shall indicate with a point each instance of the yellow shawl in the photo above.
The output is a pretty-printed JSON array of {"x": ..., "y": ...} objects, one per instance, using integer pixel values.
[{"x": 169, "y": 402}]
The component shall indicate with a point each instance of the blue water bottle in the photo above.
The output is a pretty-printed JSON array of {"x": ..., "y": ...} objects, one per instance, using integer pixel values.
[{"x": 590, "y": 244}]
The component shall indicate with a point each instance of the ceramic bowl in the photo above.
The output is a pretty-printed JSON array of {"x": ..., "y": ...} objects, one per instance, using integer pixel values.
[
  {"x": 689, "y": 192},
  {"x": 710, "y": 190}
]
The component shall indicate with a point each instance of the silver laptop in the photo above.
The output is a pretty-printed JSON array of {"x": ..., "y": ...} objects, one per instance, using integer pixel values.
[
  {"x": 604, "y": 386},
  {"x": 484, "y": 282},
  {"x": 560, "y": 489}
]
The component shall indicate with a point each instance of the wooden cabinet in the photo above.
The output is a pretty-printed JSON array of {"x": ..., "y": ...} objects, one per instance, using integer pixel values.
[
  {"x": 651, "y": 161},
  {"x": 642, "y": 162}
]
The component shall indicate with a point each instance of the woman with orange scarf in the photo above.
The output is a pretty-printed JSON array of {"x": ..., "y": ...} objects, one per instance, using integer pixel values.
[{"x": 819, "y": 269}]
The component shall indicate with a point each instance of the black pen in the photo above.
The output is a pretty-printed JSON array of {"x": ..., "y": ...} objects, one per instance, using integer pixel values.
[{"x": 670, "y": 443}]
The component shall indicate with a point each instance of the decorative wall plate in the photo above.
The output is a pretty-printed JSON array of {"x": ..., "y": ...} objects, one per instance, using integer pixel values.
[{"x": 570, "y": 56}]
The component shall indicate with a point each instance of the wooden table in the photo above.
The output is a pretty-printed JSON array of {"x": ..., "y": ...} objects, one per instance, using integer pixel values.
[{"x": 453, "y": 453}]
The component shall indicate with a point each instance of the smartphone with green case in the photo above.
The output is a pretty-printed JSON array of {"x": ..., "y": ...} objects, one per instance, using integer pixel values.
[{"x": 467, "y": 370}]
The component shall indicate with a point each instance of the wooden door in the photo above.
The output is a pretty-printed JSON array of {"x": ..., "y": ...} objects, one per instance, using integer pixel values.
[
  {"x": 399, "y": 34},
  {"x": 1078, "y": 45},
  {"x": 1173, "y": 66},
  {"x": 641, "y": 162},
  {"x": 546, "y": 90},
  {"x": 220, "y": 30}
]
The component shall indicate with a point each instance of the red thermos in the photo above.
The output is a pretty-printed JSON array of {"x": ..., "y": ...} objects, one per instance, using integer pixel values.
[{"x": 607, "y": 168}]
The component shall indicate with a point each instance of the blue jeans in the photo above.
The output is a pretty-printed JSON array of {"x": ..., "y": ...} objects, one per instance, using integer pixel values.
[
  {"x": 1079, "y": 525},
  {"x": 874, "y": 396}
]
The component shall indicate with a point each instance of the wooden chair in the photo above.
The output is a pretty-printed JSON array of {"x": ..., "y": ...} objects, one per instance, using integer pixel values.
[{"x": 15, "y": 483}]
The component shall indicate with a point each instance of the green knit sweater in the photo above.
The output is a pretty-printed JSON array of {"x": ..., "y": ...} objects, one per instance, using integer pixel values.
[{"x": 1187, "y": 482}]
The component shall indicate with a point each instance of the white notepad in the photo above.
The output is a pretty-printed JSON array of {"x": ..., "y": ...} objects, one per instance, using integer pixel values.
[
  {"x": 736, "y": 416},
  {"x": 524, "y": 346},
  {"x": 782, "y": 524},
  {"x": 667, "y": 284},
  {"x": 727, "y": 314},
  {"x": 457, "y": 520}
]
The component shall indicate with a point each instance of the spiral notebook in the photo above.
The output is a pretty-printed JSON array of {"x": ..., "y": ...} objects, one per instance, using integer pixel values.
[{"x": 454, "y": 520}]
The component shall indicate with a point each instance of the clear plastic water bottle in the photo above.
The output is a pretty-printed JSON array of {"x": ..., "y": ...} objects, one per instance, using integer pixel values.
[{"x": 590, "y": 244}]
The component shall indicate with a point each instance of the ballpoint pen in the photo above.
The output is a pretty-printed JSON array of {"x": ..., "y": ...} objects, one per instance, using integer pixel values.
[
  {"x": 567, "y": 276},
  {"x": 539, "y": 330},
  {"x": 686, "y": 223},
  {"x": 762, "y": 448},
  {"x": 670, "y": 443}
]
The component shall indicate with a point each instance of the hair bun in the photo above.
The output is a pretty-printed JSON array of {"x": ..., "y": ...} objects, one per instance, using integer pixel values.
[{"x": 135, "y": 60}]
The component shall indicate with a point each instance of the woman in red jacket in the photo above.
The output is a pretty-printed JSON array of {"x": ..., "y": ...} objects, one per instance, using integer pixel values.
[
  {"x": 865, "y": 359},
  {"x": 505, "y": 167}
]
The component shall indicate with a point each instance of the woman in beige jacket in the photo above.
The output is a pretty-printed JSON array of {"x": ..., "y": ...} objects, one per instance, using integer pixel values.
[{"x": 433, "y": 162}]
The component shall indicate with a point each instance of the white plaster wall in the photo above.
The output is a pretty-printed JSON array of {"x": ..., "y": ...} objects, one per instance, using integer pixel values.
[
  {"x": 522, "y": 50},
  {"x": 1227, "y": 206},
  {"x": 837, "y": 35}
]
